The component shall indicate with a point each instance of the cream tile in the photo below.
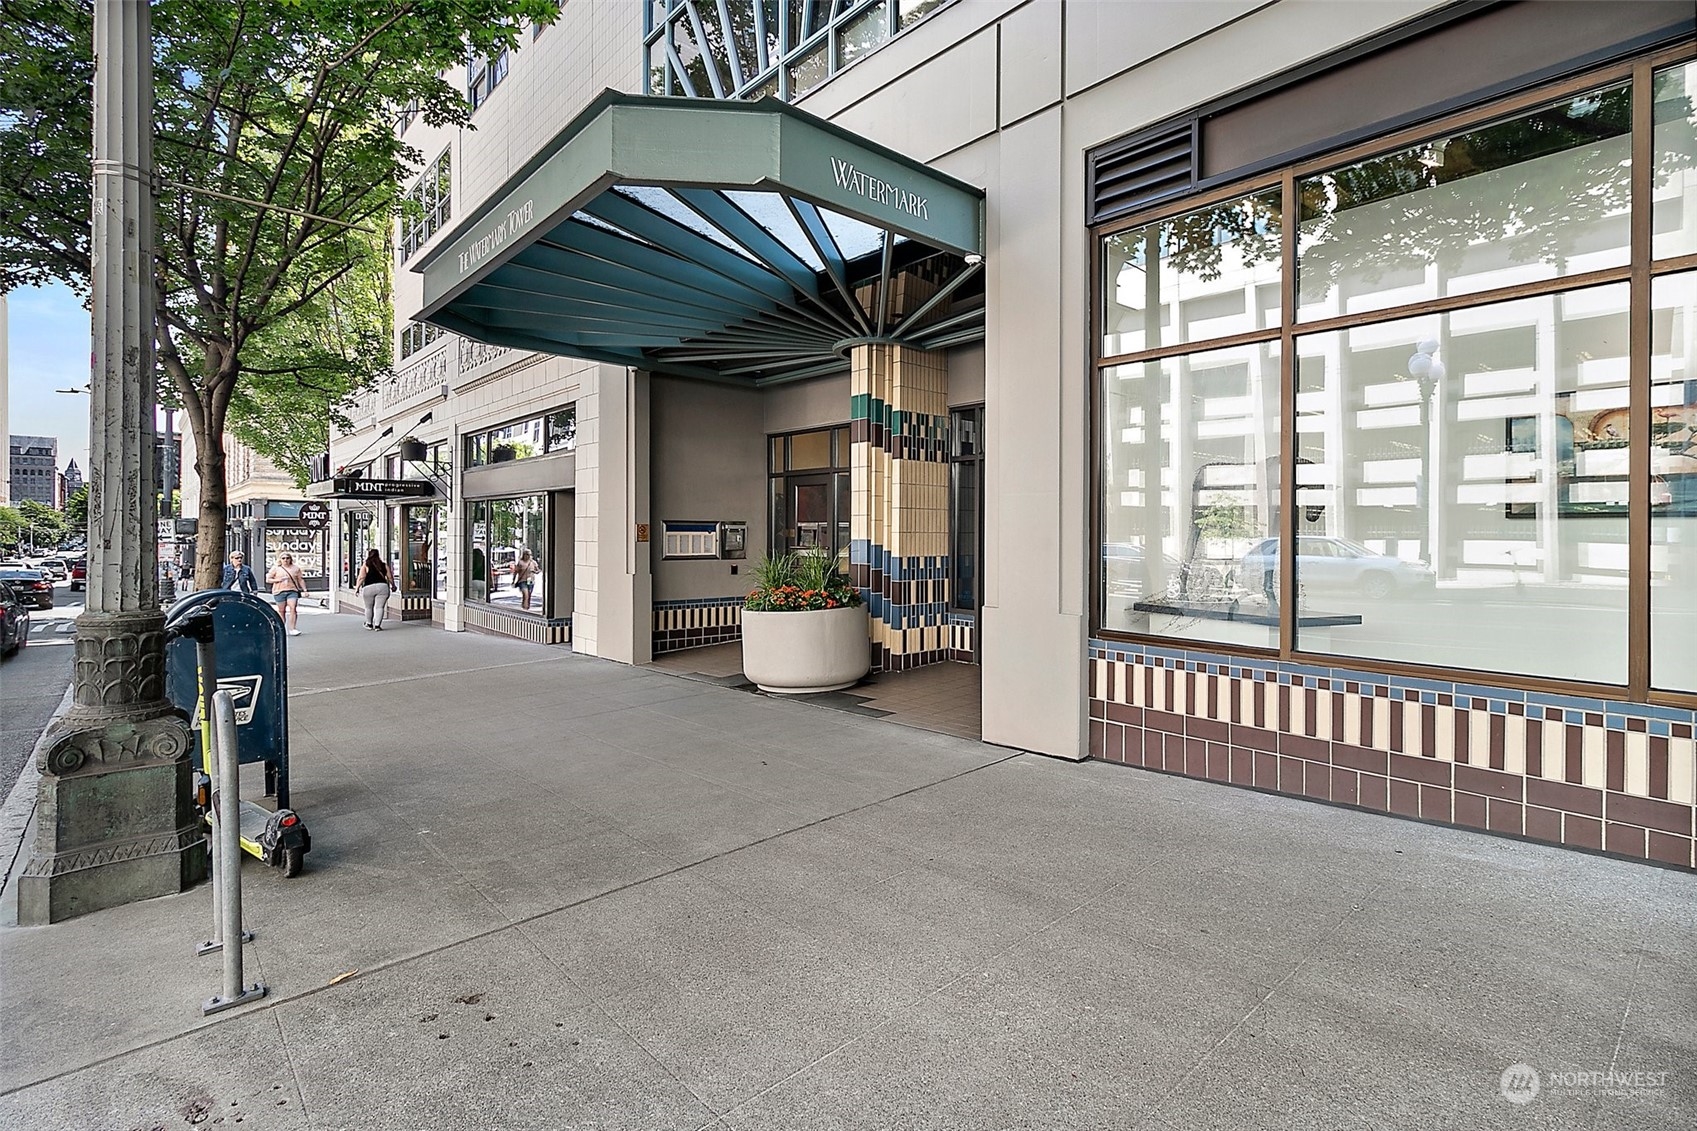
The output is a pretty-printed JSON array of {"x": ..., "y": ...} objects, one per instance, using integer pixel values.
[
  {"x": 1596, "y": 757},
  {"x": 1638, "y": 763}
]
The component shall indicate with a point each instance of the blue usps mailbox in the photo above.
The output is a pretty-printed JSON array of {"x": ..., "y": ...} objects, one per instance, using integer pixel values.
[{"x": 250, "y": 648}]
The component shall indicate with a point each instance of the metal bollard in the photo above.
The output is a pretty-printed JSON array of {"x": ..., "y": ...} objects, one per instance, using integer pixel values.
[
  {"x": 226, "y": 802},
  {"x": 208, "y": 665}
]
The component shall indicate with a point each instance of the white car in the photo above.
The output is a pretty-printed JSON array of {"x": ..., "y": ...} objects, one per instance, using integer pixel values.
[
  {"x": 1327, "y": 562},
  {"x": 54, "y": 568}
]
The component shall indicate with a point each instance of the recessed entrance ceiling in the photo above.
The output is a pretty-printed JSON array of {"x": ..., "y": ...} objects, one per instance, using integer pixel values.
[{"x": 741, "y": 242}]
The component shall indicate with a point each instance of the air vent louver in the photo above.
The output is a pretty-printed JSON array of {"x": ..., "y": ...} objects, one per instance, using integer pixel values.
[{"x": 1141, "y": 171}]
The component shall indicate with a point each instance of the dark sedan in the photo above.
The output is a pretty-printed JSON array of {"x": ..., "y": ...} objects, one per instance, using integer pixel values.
[
  {"x": 14, "y": 620},
  {"x": 32, "y": 585}
]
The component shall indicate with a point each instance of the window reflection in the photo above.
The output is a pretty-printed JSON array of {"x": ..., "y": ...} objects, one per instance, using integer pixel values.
[
  {"x": 505, "y": 548},
  {"x": 1673, "y": 484},
  {"x": 1190, "y": 485},
  {"x": 1465, "y": 488},
  {"x": 1675, "y": 188},
  {"x": 1539, "y": 196},
  {"x": 1207, "y": 274}
]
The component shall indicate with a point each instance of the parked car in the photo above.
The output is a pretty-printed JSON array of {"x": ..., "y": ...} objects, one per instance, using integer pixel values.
[
  {"x": 31, "y": 584},
  {"x": 14, "y": 620},
  {"x": 79, "y": 574},
  {"x": 54, "y": 568},
  {"x": 1327, "y": 563}
]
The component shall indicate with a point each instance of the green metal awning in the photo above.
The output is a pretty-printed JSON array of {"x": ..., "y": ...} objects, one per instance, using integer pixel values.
[{"x": 735, "y": 241}]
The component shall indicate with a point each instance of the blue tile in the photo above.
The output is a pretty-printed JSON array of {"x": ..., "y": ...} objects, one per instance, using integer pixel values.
[
  {"x": 1428, "y": 697},
  {"x": 1443, "y": 687},
  {"x": 1661, "y": 727},
  {"x": 1478, "y": 691},
  {"x": 1497, "y": 706},
  {"x": 1614, "y": 722}
]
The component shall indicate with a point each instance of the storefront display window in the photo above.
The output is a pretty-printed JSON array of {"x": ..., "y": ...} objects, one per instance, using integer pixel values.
[
  {"x": 357, "y": 539},
  {"x": 524, "y": 439},
  {"x": 1454, "y": 318},
  {"x": 506, "y": 550}
]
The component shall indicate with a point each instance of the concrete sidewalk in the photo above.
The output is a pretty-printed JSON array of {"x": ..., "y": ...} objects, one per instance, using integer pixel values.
[{"x": 551, "y": 892}]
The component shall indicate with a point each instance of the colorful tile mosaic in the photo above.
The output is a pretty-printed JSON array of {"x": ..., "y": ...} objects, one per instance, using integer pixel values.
[
  {"x": 1589, "y": 773},
  {"x": 899, "y": 548}
]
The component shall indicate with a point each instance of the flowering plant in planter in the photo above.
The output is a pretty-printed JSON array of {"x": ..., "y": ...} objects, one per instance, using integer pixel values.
[{"x": 799, "y": 582}]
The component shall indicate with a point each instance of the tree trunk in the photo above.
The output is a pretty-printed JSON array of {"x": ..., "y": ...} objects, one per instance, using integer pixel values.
[{"x": 209, "y": 465}]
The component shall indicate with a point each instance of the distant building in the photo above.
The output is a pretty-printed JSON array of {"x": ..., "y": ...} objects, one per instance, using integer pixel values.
[
  {"x": 35, "y": 469},
  {"x": 73, "y": 480}
]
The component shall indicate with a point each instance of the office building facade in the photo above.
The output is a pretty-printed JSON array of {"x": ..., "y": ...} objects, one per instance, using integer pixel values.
[{"x": 1057, "y": 323}]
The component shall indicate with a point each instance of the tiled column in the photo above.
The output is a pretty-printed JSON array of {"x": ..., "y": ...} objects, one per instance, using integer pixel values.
[{"x": 899, "y": 553}]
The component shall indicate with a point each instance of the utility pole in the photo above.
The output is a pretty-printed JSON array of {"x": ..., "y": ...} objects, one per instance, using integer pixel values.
[{"x": 114, "y": 822}]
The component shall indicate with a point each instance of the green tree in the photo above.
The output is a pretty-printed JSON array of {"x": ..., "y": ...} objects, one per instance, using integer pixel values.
[
  {"x": 11, "y": 527},
  {"x": 76, "y": 509},
  {"x": 44, "y": 526},
  {"x": 280, "y": 115}
]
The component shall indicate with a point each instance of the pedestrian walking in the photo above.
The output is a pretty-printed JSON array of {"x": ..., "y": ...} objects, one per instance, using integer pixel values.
[
  {"x": 288, "y": 585},
  {"x": 238, "y": 575},
  {"x": 524, "y": 576},
  {"x": 375, "y": 583}
]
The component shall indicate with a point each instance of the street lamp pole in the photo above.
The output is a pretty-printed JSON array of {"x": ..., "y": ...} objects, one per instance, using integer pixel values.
[{"x": 114, "y": 821}]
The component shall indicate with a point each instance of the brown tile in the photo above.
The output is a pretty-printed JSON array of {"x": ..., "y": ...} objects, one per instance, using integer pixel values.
[
  {"x": 1172, "y": 759},
  {"x": 1242, "y": 766},
  {"x": 1164, "y": 721},
  {"x": 1396, "y": 725},
  {"x": 1373, "y": 792},
  {"x": 1428, "y": 729},
  {"x": 1365, "y": 707},
  {"x": 1628, "y": 840},
  {"x": 1258, "y": 716},
  {"x": 1499, "y": 740},
  {"x": 1195, "y": 758},
  {"x": 1256, "y": 738},
  {"x": 1283, "y": 694},
  {"x": 1219, "y": 762},
  {"x": 1543, "y": 824},
  {"x": 1290, "y": 775},
  {"x": 1266, "y": 771},
  {"x": 1470, "y": 810},
  {"x": 1337, "y": 716},
  {"x": 1571, "y": 798},
  {"x": 1490, "y": 783},
  {"x": 1463, "y": 733},
  {"x": 1616, "y": 778},
  {"x": 1427, "y": 770},
  {"x": 1664, "y": 815},
  {"x": 1316, "y": 781},
  {"x": 1310, "y": 712},
  {"x": 1125, "y": 713},
  {"x": 1435, "y": 802},
  {"x": 1658, "y": 767},
  {"x": 1097, "y": 739},
  {"x": 1345, "y": 786},
  {"x": 1405, "y": 798},
  {"x": 1503, "y": 816},
  {"x": 1214, "y": 698},
  {"x": 1670, "y": 849},
  {"x": 1360, "y": 758},
  {"x": 1534, "y": 748},
  {"x": 1581, "y": 832},
  {"x": 1209, "y": 729},
  {"x": 1132, "y": 750},
  {"x": 1301, "y": 746}
]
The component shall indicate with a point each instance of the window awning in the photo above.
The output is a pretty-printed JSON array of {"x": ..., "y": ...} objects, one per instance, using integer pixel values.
[{"x": 735, "y": 241}]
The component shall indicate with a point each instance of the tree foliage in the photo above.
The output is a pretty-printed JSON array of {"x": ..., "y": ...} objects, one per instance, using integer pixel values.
[
  {"x": 278, "y": 170},
  {"x": 76, "y": 509}
]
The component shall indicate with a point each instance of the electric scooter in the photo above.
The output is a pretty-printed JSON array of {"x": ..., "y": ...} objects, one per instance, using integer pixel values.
[{"x": 277, "y": 837}]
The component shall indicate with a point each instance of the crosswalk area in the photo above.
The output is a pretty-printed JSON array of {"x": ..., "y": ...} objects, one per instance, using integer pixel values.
[{"x": 58, "y": 630}]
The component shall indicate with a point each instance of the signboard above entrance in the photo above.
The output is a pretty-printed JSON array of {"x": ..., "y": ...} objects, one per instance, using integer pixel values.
[{"x": 348, "y": 487}]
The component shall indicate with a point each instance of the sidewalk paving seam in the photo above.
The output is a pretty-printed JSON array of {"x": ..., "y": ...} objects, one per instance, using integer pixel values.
[
  {"x": 270, "y": 1004},
  {"x": 301, "y": 693}
]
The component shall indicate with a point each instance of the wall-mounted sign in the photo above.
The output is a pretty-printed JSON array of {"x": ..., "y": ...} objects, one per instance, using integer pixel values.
[
  {"x": 495, "y": 238},
  {"x": 351, "y": 488},
  {"x": 315, "y": 516},
  {"x": 642, "y": 532},
  {"x": 878, "y": 190}
]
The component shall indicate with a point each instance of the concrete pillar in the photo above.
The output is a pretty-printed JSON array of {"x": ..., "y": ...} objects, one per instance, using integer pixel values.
[
  {"x": 115, "y": 822},
  {"x": 899, "y": 474}
]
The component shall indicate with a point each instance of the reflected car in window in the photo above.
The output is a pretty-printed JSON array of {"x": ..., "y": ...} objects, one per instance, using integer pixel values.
[{"x": 1328, "y": 564}]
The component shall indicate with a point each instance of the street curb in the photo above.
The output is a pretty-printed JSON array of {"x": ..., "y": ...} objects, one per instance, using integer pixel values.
[{"x": 18, "y": 813}]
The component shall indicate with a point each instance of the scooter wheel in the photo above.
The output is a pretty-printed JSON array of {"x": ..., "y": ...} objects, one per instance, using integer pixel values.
[{"x": 294, "y": 859}]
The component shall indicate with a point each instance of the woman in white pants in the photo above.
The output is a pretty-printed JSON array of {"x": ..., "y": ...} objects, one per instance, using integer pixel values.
[{"x": 374, "y": 585}]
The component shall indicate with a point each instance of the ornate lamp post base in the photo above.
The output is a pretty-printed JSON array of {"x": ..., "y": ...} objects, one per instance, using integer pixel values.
[{"x": 115, "y": 821}]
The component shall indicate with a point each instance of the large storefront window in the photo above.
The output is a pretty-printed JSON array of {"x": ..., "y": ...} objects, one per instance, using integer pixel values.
[
  {"x": 1465, "y": 455},
  {"x": 524, "y": 439},
  {"x": 506, "y": 550}
]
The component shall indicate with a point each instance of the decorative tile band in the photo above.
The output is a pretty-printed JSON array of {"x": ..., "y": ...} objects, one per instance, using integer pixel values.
[
  {"x": 963, "y": 638},
  {"x": 534, "y": 629},
  {"x": 696, "y": 623},
  {"x": 1588, "y": 773}
]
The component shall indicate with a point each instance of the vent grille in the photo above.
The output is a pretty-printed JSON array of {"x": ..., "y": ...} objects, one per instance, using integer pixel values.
[{"x": 1141, "y": 171}]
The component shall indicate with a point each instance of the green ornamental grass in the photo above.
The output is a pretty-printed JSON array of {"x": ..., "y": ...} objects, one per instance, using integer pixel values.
[{"x": 799, "y": 582}]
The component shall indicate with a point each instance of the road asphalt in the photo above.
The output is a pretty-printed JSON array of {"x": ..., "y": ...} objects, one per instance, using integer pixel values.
[{"x": 548, "y": 891}]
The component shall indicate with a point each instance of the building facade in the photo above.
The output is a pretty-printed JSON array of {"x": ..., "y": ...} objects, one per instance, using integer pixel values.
[
  {"x": 35, "y": 470},
  {"x": 1055, "y": 323}
]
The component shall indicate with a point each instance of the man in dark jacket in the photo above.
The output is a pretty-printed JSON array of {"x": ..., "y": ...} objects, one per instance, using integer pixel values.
[{"x": 238, "y": 575}]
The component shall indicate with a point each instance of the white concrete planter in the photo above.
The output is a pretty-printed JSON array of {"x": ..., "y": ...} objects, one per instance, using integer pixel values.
[{"x": 796, "y": 653}]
